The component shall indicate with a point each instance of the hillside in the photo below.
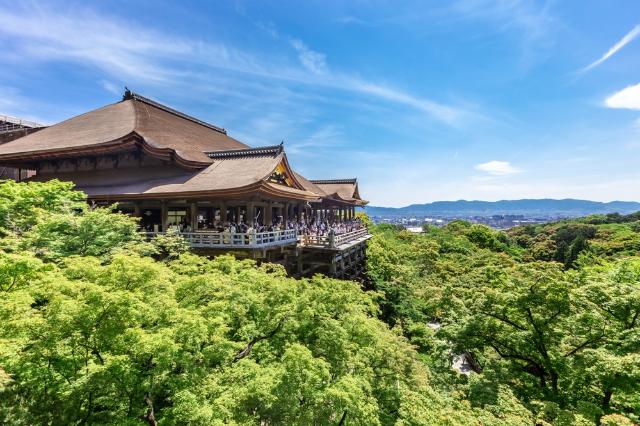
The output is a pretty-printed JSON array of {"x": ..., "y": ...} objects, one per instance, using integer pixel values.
[
  {"x": 532, "y": 207},
  {"x": 100, "y": 327},
  {"x": 550, "y": 313}
]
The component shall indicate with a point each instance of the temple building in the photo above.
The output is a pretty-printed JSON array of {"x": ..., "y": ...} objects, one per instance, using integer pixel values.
[
  {"x": 12, "y": 128},
  {"x": 176, "y": 172}
]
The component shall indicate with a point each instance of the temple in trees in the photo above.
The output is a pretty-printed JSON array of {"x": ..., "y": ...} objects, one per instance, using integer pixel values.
[{"x": 180, "y": 174}]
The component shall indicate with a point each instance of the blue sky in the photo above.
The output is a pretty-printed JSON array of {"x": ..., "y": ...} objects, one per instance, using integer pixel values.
[{"x": 422, "y": 101}]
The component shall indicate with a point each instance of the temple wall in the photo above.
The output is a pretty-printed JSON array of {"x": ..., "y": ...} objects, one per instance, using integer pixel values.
[
  {"x": 105, "y": 162},
  {"x": 10, "y": 172}
]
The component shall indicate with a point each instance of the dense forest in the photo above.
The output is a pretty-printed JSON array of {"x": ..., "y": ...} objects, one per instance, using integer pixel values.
[{"x": 100, "y": 327}]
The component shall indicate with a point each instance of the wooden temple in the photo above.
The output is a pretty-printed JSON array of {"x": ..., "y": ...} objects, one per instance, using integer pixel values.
[{"x": 176, "y": 172}]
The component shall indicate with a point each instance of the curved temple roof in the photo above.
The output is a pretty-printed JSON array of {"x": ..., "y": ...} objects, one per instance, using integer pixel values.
[
  {"x": 226, "y": 177},
  {"x": 162, "y": 131},
  {"x": 201, "y": 159},
  {"x": 341, "y": 190}
]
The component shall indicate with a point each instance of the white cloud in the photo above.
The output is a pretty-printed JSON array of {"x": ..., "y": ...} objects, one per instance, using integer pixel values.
[
  {"x": 497, "y": 168},
  {"x": 13, "y": 103},
  {"x": 111, "y": 87},
  {"x": 627, "y": 98},
  {"x": 325, "y": 138},
  {"x": 529, "y": 20},
  {"x": 628, "y": 38},
  {"x": 142, "y": 57},
  {"x": 311, "y": 60}
]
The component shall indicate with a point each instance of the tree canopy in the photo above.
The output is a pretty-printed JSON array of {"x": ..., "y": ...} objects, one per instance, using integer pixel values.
[{"x": 100, "y": 327}]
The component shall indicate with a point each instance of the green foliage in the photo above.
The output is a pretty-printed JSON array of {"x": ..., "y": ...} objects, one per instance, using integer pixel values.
[
  {"x": 95, "y": 330},
  {"x": 550, "y": 313},
  {"x": 170, "y": 245},
  {"x": 24, "y": 204},
  {"x": 94, "y": 233},
  {"x": 97, "y": 326}
]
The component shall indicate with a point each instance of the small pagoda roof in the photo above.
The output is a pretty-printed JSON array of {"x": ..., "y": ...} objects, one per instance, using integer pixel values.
[{"x": 341, "y": 189}]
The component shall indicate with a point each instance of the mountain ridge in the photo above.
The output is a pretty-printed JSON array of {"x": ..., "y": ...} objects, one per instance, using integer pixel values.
[{"x": 569, "y": 207}]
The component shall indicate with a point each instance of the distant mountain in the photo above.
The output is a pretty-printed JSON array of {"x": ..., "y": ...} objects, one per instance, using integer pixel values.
[{"x": 529, "y": 207}]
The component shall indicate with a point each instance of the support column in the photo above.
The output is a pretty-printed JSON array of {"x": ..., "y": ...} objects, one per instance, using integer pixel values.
[
  {"x": 223, "y": 212},
  {"x": 300, "y": 211},
  {"x": 285, "y": 213},
  {"x": 251, "y": 213},
  {"x": 194, "y": 215},
  {"x": 164, "y": 213},
  {"x": 268, "y": 214}
]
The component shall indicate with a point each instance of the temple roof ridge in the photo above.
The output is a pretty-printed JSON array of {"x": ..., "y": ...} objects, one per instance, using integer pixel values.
[
  {"x": 334, "y": 181},
  {"x": 129, "y": 95},
  {"x": 261, "y": 150}
]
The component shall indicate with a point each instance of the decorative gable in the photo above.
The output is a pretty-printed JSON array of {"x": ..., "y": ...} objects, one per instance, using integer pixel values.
[{"x": 281, "y": 176}]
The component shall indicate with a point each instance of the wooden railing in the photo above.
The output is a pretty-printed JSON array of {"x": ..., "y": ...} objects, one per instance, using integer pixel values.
[
  {"x": 350, "y": 236},
  {"x": 240, "y": 241},
  {"x": 333, "y": 241},
  {"x": 264, "y": 239}
]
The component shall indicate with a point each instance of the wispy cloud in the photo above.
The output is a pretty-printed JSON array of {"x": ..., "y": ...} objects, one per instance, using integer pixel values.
[
  {"x": 497, "y": 168},
  {"x": 628, "y": 38},
  {"x": 327, "y": 137},
  {"x": 111, "y": 87},
  {"x": 350, "y": 19},
  {"x": 531, "y": 19},
  {"x": 13, "y": 103},
  {"x": 627, "y": 98},
  {"x": 127, "y": 51},
  {"x": 311, "y": 60}
]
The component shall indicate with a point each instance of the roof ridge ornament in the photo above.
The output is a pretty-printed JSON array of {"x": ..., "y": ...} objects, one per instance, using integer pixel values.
[
  {"x": 333, "y": 181},
  {"x": 129, "y": 95},
  {"x": 263, "y": 150}
]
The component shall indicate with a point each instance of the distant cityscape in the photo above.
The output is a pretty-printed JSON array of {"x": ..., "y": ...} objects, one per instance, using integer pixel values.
[
  {"x": 415, "y": 224},
  {"x": 502, "y": 214}
]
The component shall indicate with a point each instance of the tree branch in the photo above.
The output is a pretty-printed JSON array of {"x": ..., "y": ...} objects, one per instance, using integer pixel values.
[
  {"x": 343, "y": 418},
  {"x": 247, "y": 349},
  {"x": 505, "y": 320},
  {"x": 583, "y": 345},
  {"x": 150, "y": 416}
]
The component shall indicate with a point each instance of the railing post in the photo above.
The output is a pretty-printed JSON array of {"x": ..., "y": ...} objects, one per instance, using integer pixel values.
[{"x": 332, "y": 240}]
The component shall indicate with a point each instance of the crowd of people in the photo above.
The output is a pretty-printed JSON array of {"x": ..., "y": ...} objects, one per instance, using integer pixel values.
[{"x": 303, "y": 227}]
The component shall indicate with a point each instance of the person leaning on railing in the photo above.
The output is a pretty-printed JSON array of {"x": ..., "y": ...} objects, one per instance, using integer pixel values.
[{"x": 250, "y": 231}]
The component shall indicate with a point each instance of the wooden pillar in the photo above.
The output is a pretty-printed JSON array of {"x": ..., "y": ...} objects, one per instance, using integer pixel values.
[
  {"x": 223, "y": 212},
  {"x": 251, "y": 213},
  {"x": 285, "y": 213},
  {"x": 268, "y": 213},
  {"x": 164, "y": 213},
  {"x": 136, "y": 209},
  {"x": 194, "y": 215}
]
